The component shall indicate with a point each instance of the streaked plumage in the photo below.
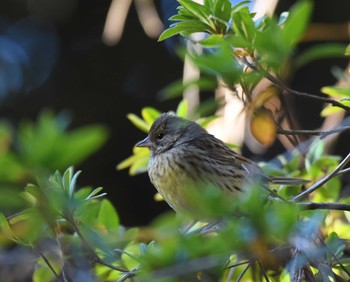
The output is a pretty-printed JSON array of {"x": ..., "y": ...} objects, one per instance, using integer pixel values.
[{"x": 183, "y": 154}]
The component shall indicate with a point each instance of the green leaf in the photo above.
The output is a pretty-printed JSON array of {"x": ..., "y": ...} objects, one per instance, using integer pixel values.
[
  {"x": 177, "y": 88},
  {"x": 46, "y": 144},
  {"x": 221, "y": 63},
  {"x": 169, "y": 32},
  {"x": 320, "y": 51},
  {"x": 297, "y": 22},
  {"x": 337, "y": 92},
  {"x": 6, "y": 229},
  {"x": 108, "y": 216},
  {"x": 139, "y": 166},
  {"x": 222, "y": 9},
  {"x": 214, "y": 40},
  {"x": 138, "y": 153},
  {"x": 182, "y": 109},
  {"x": 94, "y": 194},
  {"x": 243, "y": 25},
  {"x": 43, "y": 273},
  {"x": 138, "y": 122},
  {"x": 240, "y": 5},
  {"x": 329, "y": 110},
  {"x": 347, "y": 51},
  {"x": 199, "y": 11},
  {"x": 150, "y": 114}
]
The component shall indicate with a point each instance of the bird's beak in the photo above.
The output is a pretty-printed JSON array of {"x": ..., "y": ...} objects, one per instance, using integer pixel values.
[{"x": 144, "y": 143}]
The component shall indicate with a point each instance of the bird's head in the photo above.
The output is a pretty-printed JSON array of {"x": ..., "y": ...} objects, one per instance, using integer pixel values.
[{"x": 169, "y": 130}]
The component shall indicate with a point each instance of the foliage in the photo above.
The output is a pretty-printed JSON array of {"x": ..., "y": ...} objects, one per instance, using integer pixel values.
[{"x": 264, "y": 234}]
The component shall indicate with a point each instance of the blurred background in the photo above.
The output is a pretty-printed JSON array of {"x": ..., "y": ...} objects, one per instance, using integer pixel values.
[{"x": 96, "y": 61}]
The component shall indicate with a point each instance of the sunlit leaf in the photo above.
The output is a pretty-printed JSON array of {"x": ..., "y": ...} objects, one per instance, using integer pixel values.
[
  {"x": 108, "y": 216},
  {"x": 149, "y": 114},
  {"x": 297, "y": 21},
  {"x": 182, "y": 109},
  {"x": 319, "y": 51},
  {"x": 336, "y": 92},
  {"x": 263, "y": 128},
  {"x": 138, "y": 122}
]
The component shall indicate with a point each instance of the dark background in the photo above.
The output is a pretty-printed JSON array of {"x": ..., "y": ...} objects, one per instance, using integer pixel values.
[
  {"x": 100, "y": 84},
  {"x": 95, "y": 83}
]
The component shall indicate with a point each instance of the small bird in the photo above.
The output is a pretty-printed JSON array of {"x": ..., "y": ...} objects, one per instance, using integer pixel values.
[{"x": 184, "y": 154}]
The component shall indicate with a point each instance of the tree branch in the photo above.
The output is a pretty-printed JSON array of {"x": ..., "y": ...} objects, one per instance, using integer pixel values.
[
  {"x": 312, "y": 132},
  {"x": 338, "y": 170},
  {"x": 286, "y": 89},
  {"x": 324, "y": 206}
]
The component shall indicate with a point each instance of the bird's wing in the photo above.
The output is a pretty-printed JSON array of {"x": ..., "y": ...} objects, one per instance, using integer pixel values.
[{"x": 221, "y": 152}]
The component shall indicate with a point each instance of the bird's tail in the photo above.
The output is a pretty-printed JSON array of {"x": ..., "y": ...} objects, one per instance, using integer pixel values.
[{"x": 281, "y": 180}]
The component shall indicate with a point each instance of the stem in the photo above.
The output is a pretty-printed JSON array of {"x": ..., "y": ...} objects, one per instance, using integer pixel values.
[
  {"x": 312, "y": 132},
  {"x": 324, "y": 206},
  {"x": 318, "y": 184},
  {"x": 286, "y": 89},
  {"x": 49, "y": 264},
  {"x": 95, "y": 257}
]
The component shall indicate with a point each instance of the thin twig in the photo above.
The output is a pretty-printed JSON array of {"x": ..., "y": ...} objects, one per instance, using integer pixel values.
[
  {"x": 49, "y": 264},
  {"x": 238, "y": 264},
  {"x": 312, "y": 132},
  {"x": 286, "y": 89},
  {"x": 129, "y": 274},
  {"x": 333, "y": 255},
  {"x": 95, "y": 257},
  {"x": 264, "y": 272},
  {"x": 324, "y": 180},
  {"x": 188, "y": 267},
  {"x": 239, "y": 278},
  {"x": 323, "y": 206}
]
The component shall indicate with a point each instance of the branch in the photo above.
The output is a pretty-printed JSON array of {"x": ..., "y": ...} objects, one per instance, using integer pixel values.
[
  {"x": 337, "y": 171},
  {"x": 94, "y": 255},
  {"x": 312, "y": 132},
  {"x": 324, "y": 206},
  {"x": 286, "y": 89}
]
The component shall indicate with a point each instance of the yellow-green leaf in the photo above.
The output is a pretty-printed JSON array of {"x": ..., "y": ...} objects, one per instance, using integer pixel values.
[
  {"x": 150, "y": 114},
  {"x": 182, "y": 109},
  {"x": 138, "y": 122}
]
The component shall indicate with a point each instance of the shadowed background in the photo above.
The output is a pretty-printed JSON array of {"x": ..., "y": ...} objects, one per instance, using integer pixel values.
[{"x": 52, "y": 56}]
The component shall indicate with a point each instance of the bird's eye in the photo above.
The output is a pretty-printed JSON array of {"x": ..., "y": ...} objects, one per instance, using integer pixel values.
[{"x": 160, "y": 136}]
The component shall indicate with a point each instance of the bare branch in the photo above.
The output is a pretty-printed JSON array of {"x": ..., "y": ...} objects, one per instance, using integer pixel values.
[
  {"x": 324, "y": 206},
  {"x": 322, "y": 134}
]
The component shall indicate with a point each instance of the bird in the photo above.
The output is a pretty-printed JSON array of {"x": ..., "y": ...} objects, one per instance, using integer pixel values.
[{"x": 183, "y": 154}]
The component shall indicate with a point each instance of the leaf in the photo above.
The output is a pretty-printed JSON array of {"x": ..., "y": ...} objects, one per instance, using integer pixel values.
[
  {"x": 320, "y": 51},
  {"x": 329, "y": 110},
  {"x": 108, "y": 216},
  {"x": 214, "y": 40},
  {"x": 347, "y": 51},
  {"x": 240, "y": 5},
  {"x": 149, "y": 114},
  {"x": 177, "y": 88},
  {"x": 296, "y": 22},
  {"x": 138, "y": 122},
  {"x": 43, "y": 273},
  {"x": 263, "y": 127},
  {"x": 199, "y": 11},
  {"x": 337, "y": 92},
  {"x": 94, "y": 193},
  {"x": 139, "y": 166},
  {"x": 169, "y": 32},
  {"x": 5, "y": 227},
  {"x": 138, "y": 153},
  {"x": 222, "y": 9},
  {"x": 182, "y": 109}
]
